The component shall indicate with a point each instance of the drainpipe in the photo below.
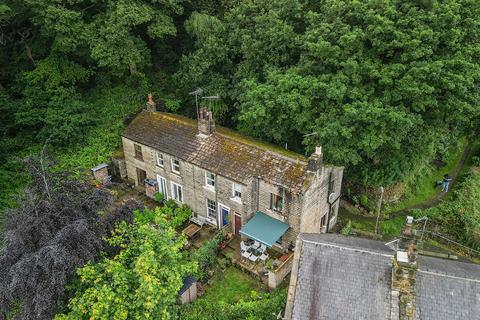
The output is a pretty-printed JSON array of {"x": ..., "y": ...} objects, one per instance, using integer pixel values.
[
  {"x": 258, "y": 193},
  {"x": 330, "y": 203},
  {"x": 216, "y": 202}
]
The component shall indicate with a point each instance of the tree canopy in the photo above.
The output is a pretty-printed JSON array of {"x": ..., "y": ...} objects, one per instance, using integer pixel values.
[
  {"x": 56, "y": 229},
  {"x": 382, "y": 85},
  {"x": 142, "y": 280}
]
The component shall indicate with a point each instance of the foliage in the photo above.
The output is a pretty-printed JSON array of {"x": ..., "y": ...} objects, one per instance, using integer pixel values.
[
  {"x": 266, "y": 306},
  {"x": 159, "y": 197},
  {"x": 181, "y": 215},
  {"x": 459, "y": 216},
  {"x": 141, "y": 281},
  {"x": 235, "y": 295},
  {"x": 206, "y": 255},
  {"x": 476, "y": 161},
  {"x": 421, "y": 182},
  {"x": 54, "y": 230},
  {"x": 347, "y": 229},
  {"x": 381, "y": 96}
]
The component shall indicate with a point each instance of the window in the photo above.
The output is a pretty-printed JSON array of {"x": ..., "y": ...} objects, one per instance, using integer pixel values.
[
  {"x": 177, "y": 192},
  {"x": 237, "y": 192},
  {"x": 209, "y": 180},
  {"x": 159, "y": 157},
  {"x": 331, "y": 185},
  {"x": 162, "y": 186},
  {"x": 323, "y": 220},
  {"x": 212, "y": 209},
  {"x": 276, "y": 202},
  {"x": 138, "y": 152},
  {"x": 176, "y": 165}
]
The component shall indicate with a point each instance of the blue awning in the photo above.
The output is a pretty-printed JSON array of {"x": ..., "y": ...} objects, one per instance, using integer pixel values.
[{"x": 264, "y": 229}]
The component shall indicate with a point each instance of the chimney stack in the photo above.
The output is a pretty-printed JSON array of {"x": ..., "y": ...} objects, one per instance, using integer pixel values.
[
  {"x": 206, "y": 124},
  {"x": 151, "y": 106},
  {"x": 404, "y": 273},
  {"x": 315, "y": 160}
]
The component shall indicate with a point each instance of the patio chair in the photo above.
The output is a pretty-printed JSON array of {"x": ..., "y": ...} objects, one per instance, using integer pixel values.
[
  {"x": 263, "y": 257},
  {"x": 243, "y": 246},
  {"x": 246, "y": 254},
  {"x": 253, "y": 258},
  {"x": 256, "y": 244},
  {"x": 262, "y": 248}
]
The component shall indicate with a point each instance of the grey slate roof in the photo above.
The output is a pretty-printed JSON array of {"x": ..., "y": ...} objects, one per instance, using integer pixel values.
[
  {"x": 224, "y": 152},
  {"x": 338, "y": 278},
  {"x": 447, "y": 290},
  {"x": 341, "y": 277}
]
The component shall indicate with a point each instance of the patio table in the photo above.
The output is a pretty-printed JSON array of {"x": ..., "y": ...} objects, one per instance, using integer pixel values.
[
  {"x": 246, "y": 254},
  {"x": 191, "y": 230}
]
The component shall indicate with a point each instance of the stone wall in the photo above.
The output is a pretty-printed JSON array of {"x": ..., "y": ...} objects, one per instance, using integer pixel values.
[
  {"x": 315, "y": 200},
  {"x": 276, "y": 277}
]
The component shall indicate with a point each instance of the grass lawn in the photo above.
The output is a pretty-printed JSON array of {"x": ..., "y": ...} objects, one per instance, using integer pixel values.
[
  {"x": 423, "y": 188},
  {"x": 390, "y": 228},
  {"x": 231, "y": 286}
]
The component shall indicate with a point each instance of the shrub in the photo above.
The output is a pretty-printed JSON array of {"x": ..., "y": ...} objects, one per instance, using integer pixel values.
[
  {"x": 180, "y": 215},
  {"x": 159, "y": 197},
  {"x": 206, "y": 255},
  {"x": 347, "y": 229},
  {"x": 476, "y": 161},
  {"x": 363, "y": 200}
]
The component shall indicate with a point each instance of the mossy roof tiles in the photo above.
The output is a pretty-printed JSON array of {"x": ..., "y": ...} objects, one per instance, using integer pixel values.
[{"x": 224, "y": 152}]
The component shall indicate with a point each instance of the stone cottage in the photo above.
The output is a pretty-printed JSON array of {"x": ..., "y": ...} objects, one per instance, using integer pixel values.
[{"x": 227, "y": 178}]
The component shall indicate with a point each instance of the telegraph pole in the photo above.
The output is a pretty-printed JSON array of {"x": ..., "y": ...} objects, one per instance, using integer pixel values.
[{"x": 379, "y": 206}]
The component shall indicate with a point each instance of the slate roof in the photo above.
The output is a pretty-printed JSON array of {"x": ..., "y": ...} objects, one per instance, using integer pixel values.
[
  {"x": 447, "y": 290},
  {"x": 224, "y": 152},
  {"x": 341, "y": 277},
  {"x": 342, "y": 280}
]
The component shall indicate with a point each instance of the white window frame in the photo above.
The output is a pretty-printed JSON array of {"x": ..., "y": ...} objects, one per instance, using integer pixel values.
[
  {"x": 210, "y": 179},
  {"x": 162, "y": 184},
  {"x": 173, "y": 165},
  {"x": 237, "y": 189},
  {"x": 175, "y": 195},
  {"x": 272, "y": 202},
  {"x": 208, "y": 210},
  {"x": 159, "y": 158}
]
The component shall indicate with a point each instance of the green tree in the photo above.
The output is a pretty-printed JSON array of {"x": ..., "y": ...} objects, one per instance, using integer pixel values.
[
  {"x": 114, "y": 33},
  {"x": 382, "y": 85},
  {"x": 459, "y": 216},
  {"x": 141, "y": 281}
]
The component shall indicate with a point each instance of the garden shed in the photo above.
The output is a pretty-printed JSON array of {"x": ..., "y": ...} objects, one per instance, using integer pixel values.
[{"x": 188, "y": 292}]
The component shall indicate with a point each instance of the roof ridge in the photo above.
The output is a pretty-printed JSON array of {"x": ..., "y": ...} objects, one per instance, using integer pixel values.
[
  {"x": 371, "y": 251},
  {"x": 260, "y": 148},
  {"x": 442, "y": 274}
]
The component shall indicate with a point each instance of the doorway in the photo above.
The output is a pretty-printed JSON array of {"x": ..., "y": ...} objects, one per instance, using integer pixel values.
[
  {"x": 141, "y": 176},
  {"x": 238, "y": 223},
  {"x": 224, "y": 214}
]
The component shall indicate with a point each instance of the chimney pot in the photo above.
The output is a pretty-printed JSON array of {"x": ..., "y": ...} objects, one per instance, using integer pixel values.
[
  {"x": 206, "y": 124},
  {"x": 151, "y": 105}
]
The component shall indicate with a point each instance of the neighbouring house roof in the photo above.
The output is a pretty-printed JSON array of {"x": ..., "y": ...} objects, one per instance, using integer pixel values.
[
  {"x": 224, "y": 152},
  {"x": 264, "y": 229},
  {"x": 339, "y": 277}
]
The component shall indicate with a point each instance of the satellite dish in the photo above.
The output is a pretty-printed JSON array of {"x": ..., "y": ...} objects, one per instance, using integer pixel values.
[{"x": 331, "y": 197}]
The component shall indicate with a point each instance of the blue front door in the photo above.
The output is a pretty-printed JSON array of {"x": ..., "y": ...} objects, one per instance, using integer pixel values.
[{"x": 225, "y": 214}]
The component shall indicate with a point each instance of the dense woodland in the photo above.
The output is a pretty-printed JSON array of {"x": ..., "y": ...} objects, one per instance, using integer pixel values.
[{"x": 385, "y": 86}]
